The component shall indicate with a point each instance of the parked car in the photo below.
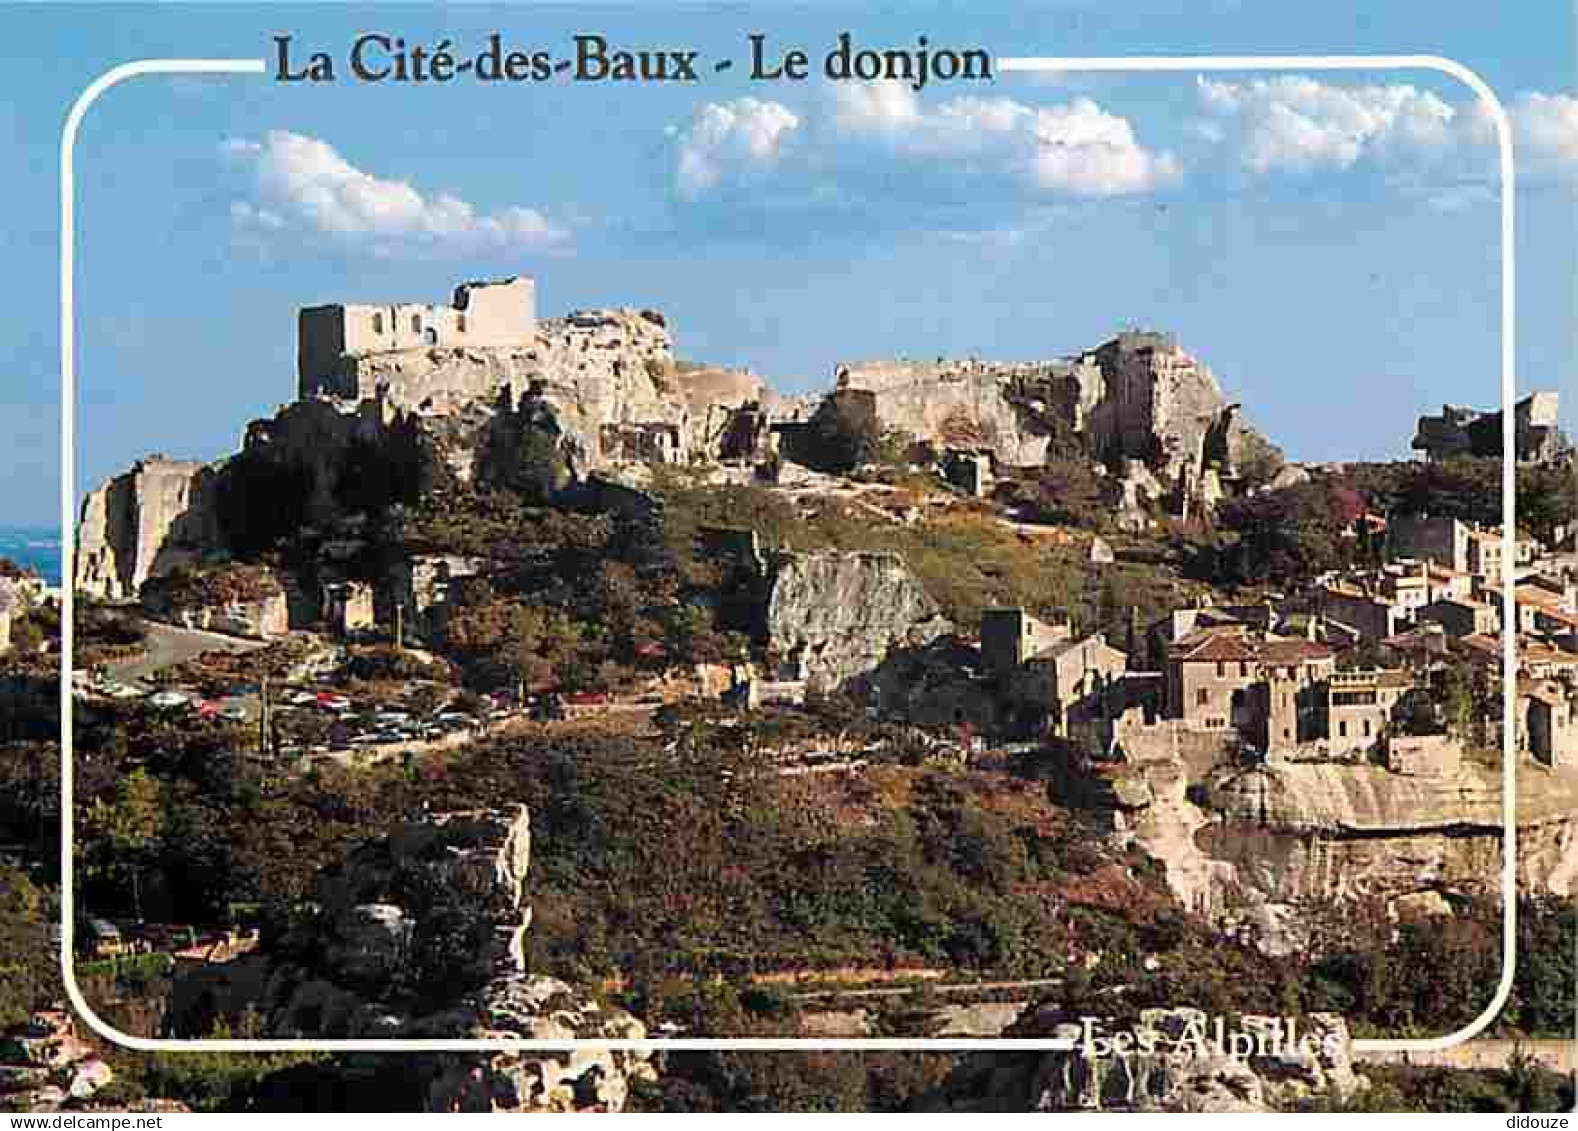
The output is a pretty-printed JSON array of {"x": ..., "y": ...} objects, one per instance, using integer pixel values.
[{"x": 167, "y": 700}]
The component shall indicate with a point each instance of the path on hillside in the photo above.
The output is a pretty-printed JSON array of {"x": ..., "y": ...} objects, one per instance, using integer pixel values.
[{"x": 168, "y": 645}]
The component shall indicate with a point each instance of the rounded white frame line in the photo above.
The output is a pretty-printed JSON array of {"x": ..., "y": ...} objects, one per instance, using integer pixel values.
[{"x": 1178, "y": 63}]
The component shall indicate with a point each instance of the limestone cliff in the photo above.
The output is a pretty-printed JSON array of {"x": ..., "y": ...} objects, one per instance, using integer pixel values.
[
  {"x": 1341, "y": 831},
  {"x": 1138, "y": 396},
  {"x": 421, "y": 934},
  {"x": 144, "y": 523},
  {"x": 1285, "y": 834},
  {"x": 833, "y": 616}
]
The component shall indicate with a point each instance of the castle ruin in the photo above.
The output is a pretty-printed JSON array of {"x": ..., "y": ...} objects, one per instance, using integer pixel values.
[{"x": 482, "y": 315}]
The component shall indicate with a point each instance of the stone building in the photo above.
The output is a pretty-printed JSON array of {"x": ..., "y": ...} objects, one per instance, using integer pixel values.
[
  {"x": 1369, "y": 614},
  {"x": 348, "y": 607},
  {"x": 1551, "y": 724},
  {"x": 1267, "y": 687},
  {"x": 1066, "y": 684},
  {"x": 1361, "y": 706},
  {"x": 1427, "y": 538},
  {"x": 969, "y": 470},
  {"x": 1459, "y": 431},
  {"x": 1010, "y": 637},
  {"x": 1453, "y": 544},
  {"x": 425, "y": 586},
  {"x": 1461, "y": 616},
  {"x": 10, "y": 607},
  {"x": 481, "y": 314}
]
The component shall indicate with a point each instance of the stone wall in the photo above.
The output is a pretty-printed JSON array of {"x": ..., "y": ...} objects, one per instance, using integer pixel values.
[{"x": 481, "y": 316}]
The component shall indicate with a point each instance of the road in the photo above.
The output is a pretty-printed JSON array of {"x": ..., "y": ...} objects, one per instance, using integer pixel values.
[
  {"x": 168, "y": 645},
  {"x": 1556, "y": 1055}
]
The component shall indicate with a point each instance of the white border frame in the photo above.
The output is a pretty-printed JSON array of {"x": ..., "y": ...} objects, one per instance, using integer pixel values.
[{"x": 1180, "y": 63}]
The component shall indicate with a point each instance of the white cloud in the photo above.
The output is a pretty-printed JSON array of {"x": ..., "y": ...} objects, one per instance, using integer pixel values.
[
  {"x": 1545, "y": 130},
  {"x": 1461, "y": 198},
  {"x": 724, "y": 140},
  {"x": 1076, "y": 148},
  {"x": 300, "y": 182},
  {"x": 1296, "y": 123}
]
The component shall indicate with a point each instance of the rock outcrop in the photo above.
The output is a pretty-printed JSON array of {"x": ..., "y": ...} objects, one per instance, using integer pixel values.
[
  {"x": 834, "y": 616},
  {"x": 421, "y": 934},
  {"x": 1324, "y": 831},
  {"x": 144, "y": 523},
  {"x": 1244, "y": 840},
  {"x": 239, "y": 600},
  {"x": 1183, "y": 1070},
  {"x": 1138, "y": 396}
]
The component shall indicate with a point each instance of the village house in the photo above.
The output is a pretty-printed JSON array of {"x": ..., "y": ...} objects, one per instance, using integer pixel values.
[
  {"x": 1457, "y": 545},
  {"x": 1053, "y": 680},
  {"x": 1067, "y": 682},
  {"x": 1462, "y": 616},
  {"x": 1010, "y": 636},
  {"x": 1422, "y": 648},
  {"x": 1370, "y": 615},
  {"x": 1267, "y": 687},
  {"x": 1550, "y": 723},
  {"x": 1361, "y": 706}
]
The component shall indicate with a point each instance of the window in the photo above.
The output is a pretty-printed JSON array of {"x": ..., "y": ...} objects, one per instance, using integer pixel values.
[
  {"x": 1285, "y": 733},
  {"x": 1243, "y": 669},
  {"x": 1221, "y": 669},
  {"x": 378, "y": 323},
  {"x": 1366, "y": 728},
  {"x": 416, "y": 323},
  {"x": 1202, "y": 697},
  {"x": 460, "y": 323},
  {"x": 1342, "y": 729}
]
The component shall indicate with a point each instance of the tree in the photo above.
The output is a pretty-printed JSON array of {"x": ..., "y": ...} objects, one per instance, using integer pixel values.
[{"x": 126, "y": 831}]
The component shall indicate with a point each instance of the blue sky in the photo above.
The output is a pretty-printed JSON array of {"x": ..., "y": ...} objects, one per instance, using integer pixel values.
[{"x": 1327, "y": 243}]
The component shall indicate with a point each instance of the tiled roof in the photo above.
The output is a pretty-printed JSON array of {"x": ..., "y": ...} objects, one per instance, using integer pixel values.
[{"x": 1234, "y": 644}]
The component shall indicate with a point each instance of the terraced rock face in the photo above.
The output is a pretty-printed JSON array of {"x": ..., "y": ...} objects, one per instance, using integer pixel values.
[{"x": 1286, "y": 834}]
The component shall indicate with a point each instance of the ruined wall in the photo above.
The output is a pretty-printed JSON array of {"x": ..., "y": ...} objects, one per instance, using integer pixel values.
[
  {"x": 481, "y": 315},
  {"x": 1460, "y": 431},
  {"x": 1003, "y": 406},
  {"x": 1139, "y": 396}
]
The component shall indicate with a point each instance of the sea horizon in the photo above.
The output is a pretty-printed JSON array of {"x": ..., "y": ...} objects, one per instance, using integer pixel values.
[{"x": 34, "y": 546}]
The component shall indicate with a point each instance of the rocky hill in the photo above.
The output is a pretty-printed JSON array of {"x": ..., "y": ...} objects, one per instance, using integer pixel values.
[{"x": 602, "y": 391}]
